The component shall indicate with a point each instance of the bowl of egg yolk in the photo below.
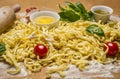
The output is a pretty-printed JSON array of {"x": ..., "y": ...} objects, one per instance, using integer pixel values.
[{"x": 45, "y": 18}]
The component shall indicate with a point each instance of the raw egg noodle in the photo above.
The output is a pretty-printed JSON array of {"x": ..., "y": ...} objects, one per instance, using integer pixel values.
[{"x": 68, "y": 43}]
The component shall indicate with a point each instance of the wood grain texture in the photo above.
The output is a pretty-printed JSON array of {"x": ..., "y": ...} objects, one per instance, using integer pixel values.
[{"x": 52, "y": 4}]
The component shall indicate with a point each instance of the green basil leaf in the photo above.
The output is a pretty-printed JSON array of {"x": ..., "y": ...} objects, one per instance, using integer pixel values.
[
  {"x": 95, "y": 29},
  {"x": 83, "y": 12},
  {"x": 90, "y": 16},
  {"x": 81, "y": 7},
  {"x": 2, "y": 48},
  {"x": 72, "y": 6},
  {"x": 61, "y": 8},
  {"x": 69, "y": 15}
]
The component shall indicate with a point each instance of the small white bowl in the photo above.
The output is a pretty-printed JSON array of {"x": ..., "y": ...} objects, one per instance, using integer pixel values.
[
  {"x": 45, "y": 13},
  {"x": 103, "y": 17}
]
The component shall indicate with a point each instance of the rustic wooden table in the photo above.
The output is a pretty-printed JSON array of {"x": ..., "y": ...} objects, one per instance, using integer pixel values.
[{"x": 52, "y": 5}]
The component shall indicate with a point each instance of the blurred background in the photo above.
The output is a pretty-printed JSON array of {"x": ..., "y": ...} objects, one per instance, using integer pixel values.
[{"x": 52, "y": 4}]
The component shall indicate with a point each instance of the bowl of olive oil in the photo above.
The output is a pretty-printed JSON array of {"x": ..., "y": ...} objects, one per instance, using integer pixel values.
[{"x": 101, "y": 13}]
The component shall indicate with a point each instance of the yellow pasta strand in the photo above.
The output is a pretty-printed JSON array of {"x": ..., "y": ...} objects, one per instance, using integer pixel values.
[{"x": 68, "y": 43}]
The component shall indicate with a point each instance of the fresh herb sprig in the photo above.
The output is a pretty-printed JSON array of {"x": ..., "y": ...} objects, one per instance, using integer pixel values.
[
  {"x": 74, "y": 12},
  {"x": 2, "y": 48}
]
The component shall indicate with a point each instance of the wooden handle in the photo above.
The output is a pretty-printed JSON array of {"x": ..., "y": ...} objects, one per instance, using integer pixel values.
[{"x": 16, "y": 8}]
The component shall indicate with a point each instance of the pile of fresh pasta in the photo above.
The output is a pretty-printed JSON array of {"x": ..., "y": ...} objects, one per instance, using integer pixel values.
[{"x": 68, "y": 43}]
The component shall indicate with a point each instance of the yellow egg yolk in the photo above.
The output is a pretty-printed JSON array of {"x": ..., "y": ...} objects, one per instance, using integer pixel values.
[{"x": 44, "y": 19}]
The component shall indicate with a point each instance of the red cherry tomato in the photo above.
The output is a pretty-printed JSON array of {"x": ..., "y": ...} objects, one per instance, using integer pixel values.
[
  {"x": 112, "y": 48},
  {"x": 40, "y": 50},
  {"x": 30, "y": 9}
]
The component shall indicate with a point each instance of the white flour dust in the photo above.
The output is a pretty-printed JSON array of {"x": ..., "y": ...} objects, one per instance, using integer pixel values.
[
  {"x": 95, "y": 69},
  {"x": 4, "y": 74}
]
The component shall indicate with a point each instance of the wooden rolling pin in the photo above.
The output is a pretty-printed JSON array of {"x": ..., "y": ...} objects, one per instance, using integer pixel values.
[{"x": 7, "y": 16}]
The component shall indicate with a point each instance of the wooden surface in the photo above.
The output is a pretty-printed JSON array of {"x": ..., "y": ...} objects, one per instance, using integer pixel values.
[{"x": 52, "y": 4}]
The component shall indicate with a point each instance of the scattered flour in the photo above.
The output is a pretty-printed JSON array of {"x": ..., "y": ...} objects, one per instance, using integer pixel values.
[
  {"x": 95, "y": 69},
  {"x": 4, "y": 74}
]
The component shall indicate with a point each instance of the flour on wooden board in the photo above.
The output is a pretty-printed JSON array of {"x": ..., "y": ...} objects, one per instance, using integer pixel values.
[
  {"x": 4, "y": 74},
  {"x": 95, "y": 69}
]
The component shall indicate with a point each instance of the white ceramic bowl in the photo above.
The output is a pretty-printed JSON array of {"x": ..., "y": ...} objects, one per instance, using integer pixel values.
[
  {"x": 45, "y": 13},
  {"x": 103, "y": 17}
]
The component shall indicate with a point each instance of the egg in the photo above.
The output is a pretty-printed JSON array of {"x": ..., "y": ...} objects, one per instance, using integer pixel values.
[
  {"x": 47, "y": 19},
  {"x": 44, "y": 19}
]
